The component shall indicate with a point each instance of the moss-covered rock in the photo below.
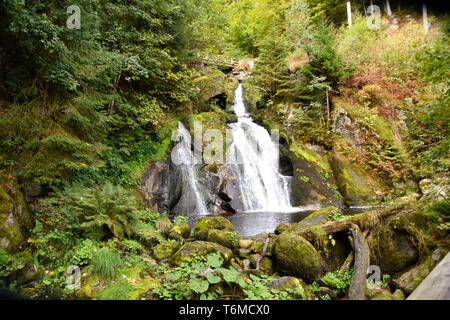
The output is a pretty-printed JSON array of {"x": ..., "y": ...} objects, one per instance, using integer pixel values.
[
  {"x": 286, "y": 226},
  {"x": 165, "y": 249},
  {"x": 244, "y": 253},
  {"x": 245, "y": 243},
  {"x": 199, "y": 248},
  {"x": 258, "y": 246},
  {"x": 266, "y": 265},
  {"x": 395, "y": 245},
  {"x": 351, "y": 182},
  {"x": 90, "y": 284},
  {"x": 433, "y": 190},
  {"x": 218, "y": 230},
  {"x": 292, "y": 283},
  {"x": 179, "y": 231},
  {"x": 227, "y": 239},
  {"x": 316, "y": 218},
  {"x": 385, "y": 295},
  {"x": 313, "y": 180},
  {"x": 382, "y": 295},
  {"x": 296, "y": 256},
  {"x": 325, "y": 293},
  {"x": 15, "y": 221},
  {"x": 203, "y": 226}
]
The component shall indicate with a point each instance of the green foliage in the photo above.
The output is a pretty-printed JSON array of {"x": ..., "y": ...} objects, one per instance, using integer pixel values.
[
  {"x": 105, "y": 262},
  {"x": 442, "y": 207},
  {"x": 337, "y": 215},
  {"x": 118, "y": 290},
  {"x": 337, "y": 281},
  {"x": 204, "y": 278},
  {"x": 314, "y": 287},
  {"x": 325, "y": 61},
  {"x": 180, "y": 220},
  {"x": 83, "y": 252},
  {"x": 97, "y": 212},
  {"x": 385, "y": 281},
  {"x": 10, "y": 264},
  {"x": 430, "y": 128}
]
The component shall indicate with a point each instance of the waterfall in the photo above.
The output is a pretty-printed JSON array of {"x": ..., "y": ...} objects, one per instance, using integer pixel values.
[
  {"x": 190, "y": 189},
  {"x": 253, "y": 158}
]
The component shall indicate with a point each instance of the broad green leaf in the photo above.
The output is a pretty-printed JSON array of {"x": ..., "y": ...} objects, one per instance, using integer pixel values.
[
  {"x": 212, "y": 278},
  {"x": 198, "y": 286}
]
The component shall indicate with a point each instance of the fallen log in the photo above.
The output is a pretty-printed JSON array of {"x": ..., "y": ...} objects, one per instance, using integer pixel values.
[
  {"x": 348, "y": 261},
  {"x": 366, "y": 220},
  {"x": 361, "y": 251},
  {"x": 436, "y": 286}
]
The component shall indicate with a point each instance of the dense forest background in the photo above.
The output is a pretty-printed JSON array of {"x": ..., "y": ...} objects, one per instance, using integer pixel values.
[{"x": 84, "y": 111}]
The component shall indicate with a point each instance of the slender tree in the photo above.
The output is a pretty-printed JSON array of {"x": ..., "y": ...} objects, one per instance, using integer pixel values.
[
  {"x": 388, "y": 8},
  {"x": 425, "y": 17},
  {"x": 349, "y": 14}
]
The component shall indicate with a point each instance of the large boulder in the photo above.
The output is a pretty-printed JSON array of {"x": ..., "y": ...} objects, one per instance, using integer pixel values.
[
  {"x": 395, "y": 245},
  {"x": 216, "y": 229},
  {"x": 165, "y": 249},
  {"x": 15, "y": 220},
  {"x": 200, "y": 248},
  {"x": 179, "y": 231},
  {"x": 295, "y": 256}
]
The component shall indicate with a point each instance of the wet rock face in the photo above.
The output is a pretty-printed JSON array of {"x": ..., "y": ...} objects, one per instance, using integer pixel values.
[
  {"x": 351, "y": 185},
  {"x": 344, "y": 126},
  {"x": 219, "y": 201},
  {"x": 166, "y": 191},
  {"x": 310, "y": 185},
  {"x": 155, "y": 186}
]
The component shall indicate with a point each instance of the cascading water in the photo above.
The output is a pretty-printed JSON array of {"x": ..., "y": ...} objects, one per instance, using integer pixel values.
[
  {"x": 253, "y": 158},
  {"x": 187, "y": 184}
]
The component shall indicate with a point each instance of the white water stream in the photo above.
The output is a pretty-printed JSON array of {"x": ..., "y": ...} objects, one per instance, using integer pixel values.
[{"x": 254, "y": 159}]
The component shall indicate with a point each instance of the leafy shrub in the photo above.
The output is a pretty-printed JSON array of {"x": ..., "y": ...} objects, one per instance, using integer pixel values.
[
  {"x": 83, "y": 252},
  {"x": 385, "y": 281},
  {"x": 98, "y": 212},
  {"x": 180, "y": 220},
  {"x": 337, "y": 281},
  {"x": 105, "y": 262}
]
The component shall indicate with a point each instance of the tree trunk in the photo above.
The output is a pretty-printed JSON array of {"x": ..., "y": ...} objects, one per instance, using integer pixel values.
[
  {"x": 349, "y": 14},
  {"x": 388, "y": 8},
  {"x": 425, "y": 18},
  {"x": 328, "y": 106},
  {"x": 357, "y": 287}
]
